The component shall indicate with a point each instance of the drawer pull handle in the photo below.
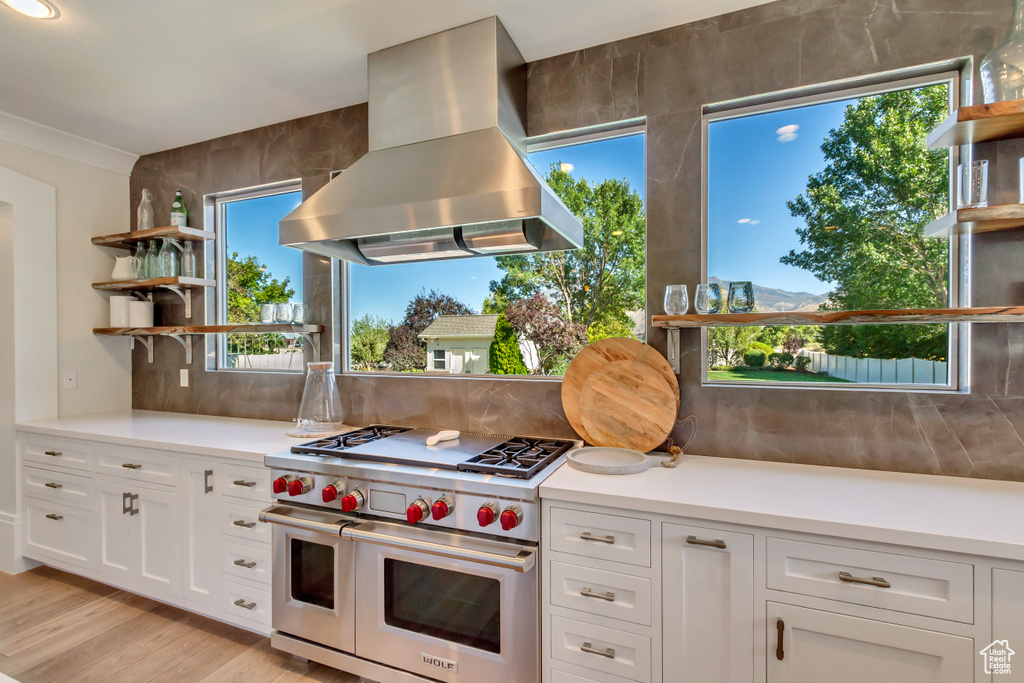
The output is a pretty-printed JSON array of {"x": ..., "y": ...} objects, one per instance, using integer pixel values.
[
  {"x": 587, "y": 536},
  {"x": 55, "y": 454},
  {"x": 242, "y": 522},
  {"x": 589, "y": 593},
  {"x": 780, "y": 652},
  {"x": 52, "y": 485},
  {"x": 243, "y": 482},
  {"x": 877, "y": 581},
  {"x": 608, "y": 652},
  {"x": 55, "y": 517},
  {"x": 243, "y": 563},
  {"x": 240, "y": 602},
  {"x": 131, "y": 466},
  {"x": 717, "y": 543}
]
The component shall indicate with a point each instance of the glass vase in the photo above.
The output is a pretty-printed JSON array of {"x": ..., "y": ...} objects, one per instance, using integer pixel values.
[{"x": 1002, "y": 69}]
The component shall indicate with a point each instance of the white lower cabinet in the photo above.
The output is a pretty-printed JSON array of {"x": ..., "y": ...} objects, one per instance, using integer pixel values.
[
  {"x": 116, "y": 554},
  {"x": 58, "y": 532},
  {"x": 200, "y": 538},
  {"x": 811, "y": 645},
  {"x": 1008, "y": 623},
  {"x": 707, "y": 604}
]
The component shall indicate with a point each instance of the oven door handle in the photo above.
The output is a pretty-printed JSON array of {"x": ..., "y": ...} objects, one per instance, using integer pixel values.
[
  {"x": 522, "y": 560},
  {"x": 313, "y": 521}
]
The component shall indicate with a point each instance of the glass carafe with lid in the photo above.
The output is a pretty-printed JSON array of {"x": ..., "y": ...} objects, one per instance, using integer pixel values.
[{"x": 320, "y": 413}]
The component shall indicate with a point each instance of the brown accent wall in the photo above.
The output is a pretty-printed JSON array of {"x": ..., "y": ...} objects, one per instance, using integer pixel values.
[{"x": 665, "y": 76}]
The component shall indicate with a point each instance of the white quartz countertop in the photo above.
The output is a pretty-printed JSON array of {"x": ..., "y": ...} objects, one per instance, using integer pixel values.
[
  {"x": 974, "y": 516},
  {"x": 225, "y": 437}
]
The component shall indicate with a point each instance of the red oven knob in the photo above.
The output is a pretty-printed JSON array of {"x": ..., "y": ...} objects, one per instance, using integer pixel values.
[
  {"x": 442, "y": 507},
  {"x": 417, "y": 511},
  {"x": 352, "y": 501},
  {"x": 280, "y": 484},
  {"x": 299, "y": 486},
  {"x": 487, "y": 513},
  {"x": 511, "y": 518},
  {"x": 330, "y": 492}
]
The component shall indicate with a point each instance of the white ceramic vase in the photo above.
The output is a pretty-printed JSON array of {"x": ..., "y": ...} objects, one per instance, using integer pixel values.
[{"x": 123, "y": 269}]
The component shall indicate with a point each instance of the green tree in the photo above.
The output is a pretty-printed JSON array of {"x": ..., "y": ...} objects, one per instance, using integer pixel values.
[
  {"x": 367, "y": 341},
  {"x": 727, "y": 344},
  {"x": 600, "y": 282},
  {"x": 250, "y": 285},
  {"x": 504, "y": 356},
  {"x": 405, "y": 351},
  {"x": 864, "y": 217}
]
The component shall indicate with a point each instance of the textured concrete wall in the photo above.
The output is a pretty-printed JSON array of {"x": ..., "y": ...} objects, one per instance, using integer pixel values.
[{"x": 667, "y": 76}]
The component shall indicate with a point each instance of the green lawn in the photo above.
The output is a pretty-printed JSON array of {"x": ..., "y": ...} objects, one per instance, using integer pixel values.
[{"x": 748, "y": 375}]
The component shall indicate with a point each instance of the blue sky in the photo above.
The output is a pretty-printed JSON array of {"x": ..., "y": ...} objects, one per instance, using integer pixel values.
[
  {"x": 756, "y": 165},
  {"x": 251, "y": 228}
]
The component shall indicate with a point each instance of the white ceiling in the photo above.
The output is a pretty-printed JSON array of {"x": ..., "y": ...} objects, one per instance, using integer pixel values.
[{"x": 144, "y": 76}]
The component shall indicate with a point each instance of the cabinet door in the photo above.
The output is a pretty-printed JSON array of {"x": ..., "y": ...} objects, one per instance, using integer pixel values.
[
  {"x": 117, "y": 556},
  {"x": 201, "y": 533},
  {"x": 157, "y": 523},
  {"x": 1008, "y": 620},
  {"x": 818, "y": 645},
  {"x": 708, "y": 604}
]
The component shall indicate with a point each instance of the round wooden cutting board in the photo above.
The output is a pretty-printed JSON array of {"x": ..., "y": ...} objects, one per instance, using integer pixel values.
[
  {"x": 597, "y": 356},
  {"x": 628, "y": 404}
]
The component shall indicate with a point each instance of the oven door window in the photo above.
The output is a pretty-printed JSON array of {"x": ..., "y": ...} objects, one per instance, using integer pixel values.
[
  {"x": 456, "y": 607},
  {"x": 313, "y": 567}
]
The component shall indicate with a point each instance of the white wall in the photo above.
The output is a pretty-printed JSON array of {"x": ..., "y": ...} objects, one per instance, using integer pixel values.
[{"x": 90, "y": 201}]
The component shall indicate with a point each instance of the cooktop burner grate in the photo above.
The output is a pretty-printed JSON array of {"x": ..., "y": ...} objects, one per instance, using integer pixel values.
[
  {"x": 333, "y": 444},
  {"x": 518, "y": 457}
]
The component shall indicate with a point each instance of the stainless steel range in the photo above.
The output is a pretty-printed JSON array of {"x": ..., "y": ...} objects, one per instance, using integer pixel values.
[{"x": 399, "y": 561}]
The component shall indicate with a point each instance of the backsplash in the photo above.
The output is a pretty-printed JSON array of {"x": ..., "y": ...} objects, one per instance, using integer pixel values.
[{"x": 665, "y": 76}]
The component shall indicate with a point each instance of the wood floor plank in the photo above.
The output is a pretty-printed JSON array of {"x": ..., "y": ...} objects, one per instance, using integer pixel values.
[
  {"x": 325, "y": 674},
  {"x": 205, "y": 654},
  {"x": 258, "y": 664}
]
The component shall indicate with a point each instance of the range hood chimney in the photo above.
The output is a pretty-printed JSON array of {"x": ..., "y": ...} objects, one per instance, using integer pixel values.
[{"x": 446, "y": 175}]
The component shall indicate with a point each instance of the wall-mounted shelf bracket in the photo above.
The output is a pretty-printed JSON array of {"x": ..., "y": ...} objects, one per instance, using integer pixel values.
[
  {"x": 186, "y": 342},
  {"x": 145, "y": 296},
  {"x": 186, "y": 296},
  {"x": 673, "y": 348},
  {"x": 147, "y": 341},
  {"x": 313, "y": 338}
]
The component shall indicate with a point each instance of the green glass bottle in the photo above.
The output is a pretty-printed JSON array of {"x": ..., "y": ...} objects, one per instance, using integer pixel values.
[{"x": 179, "y": 214}]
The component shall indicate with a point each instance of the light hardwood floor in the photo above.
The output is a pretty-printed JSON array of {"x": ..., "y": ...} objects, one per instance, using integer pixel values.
[{"x": 56, "y": 626}]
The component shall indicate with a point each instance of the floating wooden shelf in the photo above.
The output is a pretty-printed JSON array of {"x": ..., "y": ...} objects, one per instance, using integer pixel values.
[
  {"x": 157, "y": 283},
  {"x": 980, "y": 123},
  {"x": 209, "y": 329},
  {"x": 984, "y": 219},
  {"x": 125, "y": 240},
  {"x": 989, "y": 314}
]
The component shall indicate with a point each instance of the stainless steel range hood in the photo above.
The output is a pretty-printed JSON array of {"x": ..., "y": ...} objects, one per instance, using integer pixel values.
[{"x": 446, "y": 175}]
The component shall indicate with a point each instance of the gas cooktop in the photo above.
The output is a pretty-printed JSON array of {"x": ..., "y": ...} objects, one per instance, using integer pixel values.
[{"x": 520, "y": 457}]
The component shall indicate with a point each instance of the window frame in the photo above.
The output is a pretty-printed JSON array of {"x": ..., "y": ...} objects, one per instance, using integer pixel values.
[
  {"x": 955, "y": 74},
  {"x": 214, "y": 209},
  {"x": 538, "y": 143}
]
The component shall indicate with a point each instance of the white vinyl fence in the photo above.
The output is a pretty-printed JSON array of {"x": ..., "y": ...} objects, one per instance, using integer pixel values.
[{"x": 878, "y": 371}]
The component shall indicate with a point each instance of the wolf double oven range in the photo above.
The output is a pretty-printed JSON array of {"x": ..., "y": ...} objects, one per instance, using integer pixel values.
[{"x": 399, "y": 561}]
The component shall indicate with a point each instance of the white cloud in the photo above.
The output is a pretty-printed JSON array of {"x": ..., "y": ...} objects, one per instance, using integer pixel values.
[
  {"x": 755, "y": 222},
  {"x": 788, "y": 133},
  {"x": 748, "y": 221},
  {"x": 743, "y": 220},
  {"x": 568, "y": 168}
]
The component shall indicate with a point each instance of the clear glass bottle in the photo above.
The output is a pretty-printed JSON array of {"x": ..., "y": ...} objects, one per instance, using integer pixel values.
[
  {"x": 139, "y": 261},
  {"x": 152, "y": 261},
  {"x": 188, "y": 260},
  {"x": 170, "y": 264},
  {"x": 1002, "y": 69},
  {"x": 320, "y": 412}
]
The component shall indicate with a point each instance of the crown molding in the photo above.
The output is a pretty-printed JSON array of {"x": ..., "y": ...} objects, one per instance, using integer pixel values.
[{"x": 36, "y": 136}]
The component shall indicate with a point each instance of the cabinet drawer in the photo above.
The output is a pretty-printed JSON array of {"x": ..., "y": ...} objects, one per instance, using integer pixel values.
[
  {"x": 563, "y": 677},
  {"x": 245, "y": 602},
  {"x": 605, "y": 537},
  {"x": 249, "y": 483},
  {"x": 53, "y": 450},
  {"x": 59, "y": 532},
  {"x": 916, "y": 585},
  {"x": 58, "y": 487},
  {"x": 608, "y": 594},
  {"x": 241, "y": 521},
  {"x": 622, "y": 654},
  {"x": 246, "y": 562},
  {"x": 137, "y": 464}
]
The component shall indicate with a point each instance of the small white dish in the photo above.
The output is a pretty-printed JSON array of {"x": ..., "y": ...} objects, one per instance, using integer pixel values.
[{"x": 606, "y": 460}]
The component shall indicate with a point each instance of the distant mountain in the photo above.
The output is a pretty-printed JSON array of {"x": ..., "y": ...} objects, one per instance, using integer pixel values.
[{"x": 770, "y": 300}]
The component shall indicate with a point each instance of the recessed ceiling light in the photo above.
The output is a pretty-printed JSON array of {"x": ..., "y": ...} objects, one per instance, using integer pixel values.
[{"x": 37, "y": 9}]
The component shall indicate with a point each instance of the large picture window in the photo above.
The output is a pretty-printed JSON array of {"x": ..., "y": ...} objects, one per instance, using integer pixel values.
[
  {"x": 517, "y": 314},
  {"x": 253, "y": 270},
  {"x": 821, "y": 203}
]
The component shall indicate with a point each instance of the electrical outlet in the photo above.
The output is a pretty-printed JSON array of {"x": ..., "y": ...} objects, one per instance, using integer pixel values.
[
  {"x": 69, "y": 380},
  {"x": 184, "y": 377}
]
